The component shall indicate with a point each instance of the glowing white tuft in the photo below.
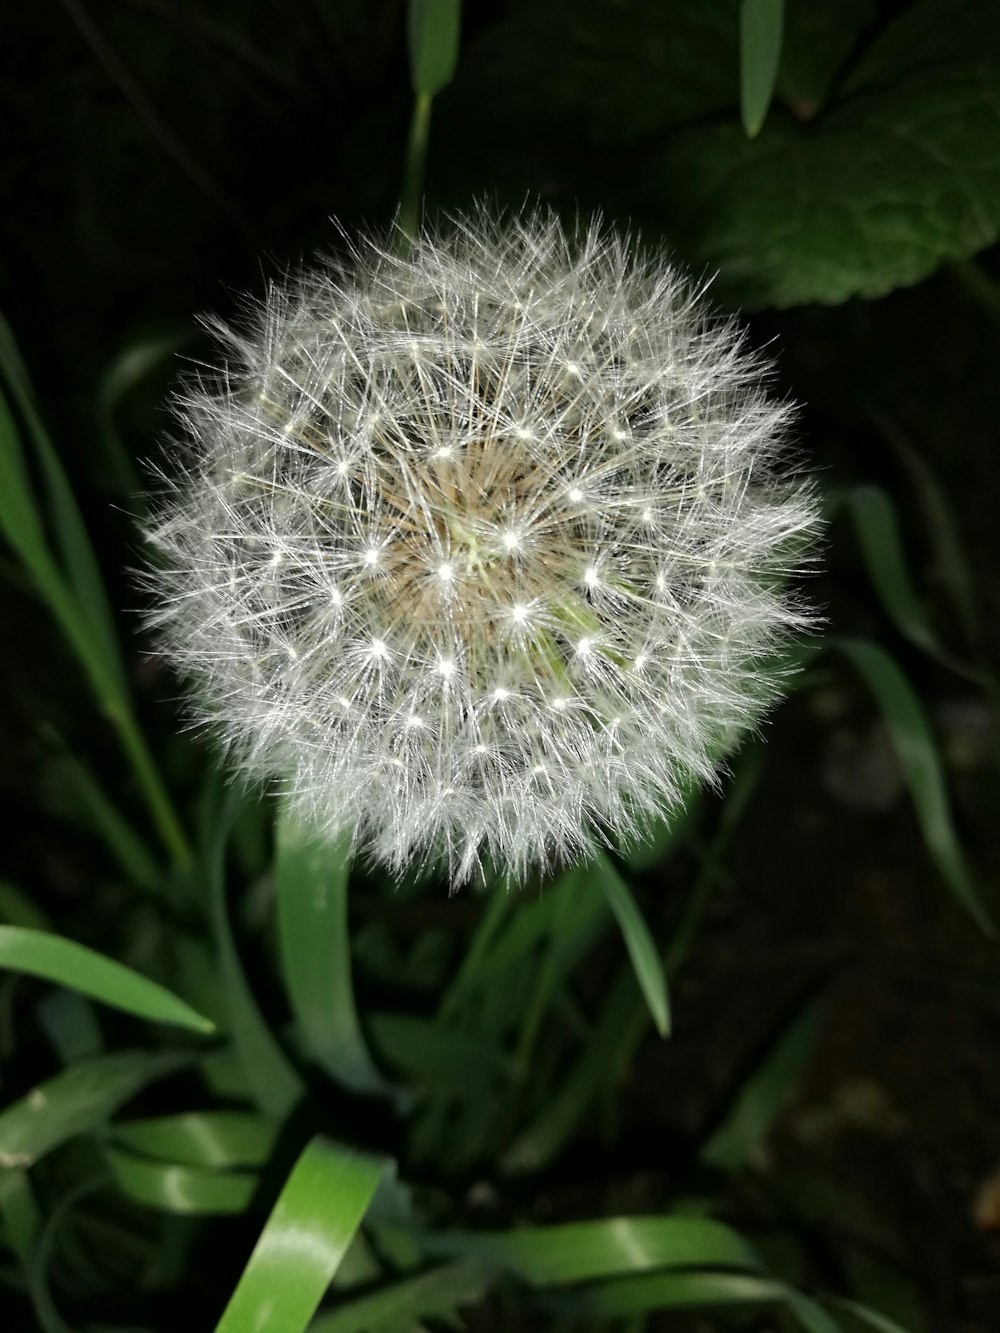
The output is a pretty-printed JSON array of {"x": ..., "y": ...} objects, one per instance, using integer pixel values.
[{"x": 479, "y": 552}]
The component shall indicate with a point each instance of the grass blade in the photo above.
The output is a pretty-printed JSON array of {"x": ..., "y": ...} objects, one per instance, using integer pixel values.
[
  {"x": 642, "y": 950},
  {"x": 671, "y": 1291},
  {"x": 77, "y": 1101},
  {"x": 273, "y": 1081},
  {"x": 307, "y": 1234},
  {"x": 216, "y": 1139},
  {"x": 609, "y": 1247},
  {"x": 66, "y": 963},
  {"x": 765, "y": 1092},
  {"x": 437, "y": 1294},
  {"x": 174, "y": 1187},
  {"x": 918, "y": 756},
  {"x": 311, "y": 877},
  {"x": 761, "y": 28},
  {"x": 19, "y": 1210}
]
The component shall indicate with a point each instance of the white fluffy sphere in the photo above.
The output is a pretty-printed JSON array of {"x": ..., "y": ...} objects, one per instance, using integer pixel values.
[{"x": 479, "y": 552}]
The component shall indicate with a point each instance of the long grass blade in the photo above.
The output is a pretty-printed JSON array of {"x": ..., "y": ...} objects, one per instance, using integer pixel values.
[
  {"x": 41, "y": 954},
  {"x": 310, "y": 1228}
]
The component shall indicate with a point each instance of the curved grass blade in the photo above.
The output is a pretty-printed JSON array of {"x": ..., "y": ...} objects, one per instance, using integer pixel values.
[
  {"x": 66, "y": 963},
  {"x": 77, "y": 1101},
  {"x": 608, "y": 1247},
  {"x": 307, "y": 1234},
  {"x": 918, "y": 756},
  {"x": 877, "y": 526},
  {"x": 75, "y": 597},
  {"x": 866, "y": 1315},
  {"x": 274, "y": 1083},
  {"x": 761, "y": 29},
  {"x": 437, "y": 1294},
  {"x": 765, "y": 1092},
  {"x": 174, "y": 1187},
  {"x": 79, "y": 561},
  {"x": 216, "y": 1139},
  {"x": 124, "y": 844},
  {"x": 642, "y": 950},
  {"x": 671, "y": 1291},
  {"x": 311, "y": 878}
]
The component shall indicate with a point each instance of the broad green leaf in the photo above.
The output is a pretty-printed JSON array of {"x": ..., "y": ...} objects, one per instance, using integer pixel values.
[
  {"x": 670, "y": 1291},
  {"x": 201, "y": 1138},
  {"x": 77, "y": 1101},
  {"x": 311, "y": 876},
  {"x": 437, "y": 1294},
  {"x": 763, "y": 1095},
  {"x": 274, "y": 1082},
  {"x": 66, "y": 963},
  {"x": 175, "y": 1187},
  {"x": 897, "y": 176},
  {"x": 818, "y": 39},
  {"x": 761, "y": 24},
  {"x": 609, "y": 1247},
  {"x": 433, "y": 32},
  {"x": 918, "y": 756},
  {"x": 307, "y": 1234},
  {"x": 641, "y": 947}
]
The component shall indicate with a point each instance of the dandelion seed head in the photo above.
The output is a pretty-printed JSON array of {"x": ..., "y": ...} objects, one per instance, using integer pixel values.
[{"x": 479, "y": 552}]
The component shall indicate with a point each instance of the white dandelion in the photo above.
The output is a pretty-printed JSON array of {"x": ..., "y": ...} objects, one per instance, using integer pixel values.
[{"x": 479, "y": 552}]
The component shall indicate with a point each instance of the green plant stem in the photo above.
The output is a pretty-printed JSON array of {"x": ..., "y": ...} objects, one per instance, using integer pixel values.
[{"x": 414, "y": 169}]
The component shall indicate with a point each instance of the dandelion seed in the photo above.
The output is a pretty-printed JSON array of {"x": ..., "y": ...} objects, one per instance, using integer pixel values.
[{"x": 387, "y": 419}]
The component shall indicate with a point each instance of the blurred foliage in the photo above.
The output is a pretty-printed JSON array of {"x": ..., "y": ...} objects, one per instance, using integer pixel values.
[{"x": 486, "y": 1127}]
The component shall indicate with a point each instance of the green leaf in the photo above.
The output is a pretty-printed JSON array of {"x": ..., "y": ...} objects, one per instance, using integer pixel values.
[
  {"x": 899, "y": 175},
  {"x": 866, "y": 1315},
  {"x": 437, "y": 1294},
  {"x": 74, "y": 593},
  {"x": 307, "y": 1234},
  {"x": 201, "y": 1138},
  {"x": 19, "y": 1210},
  {"x": 66, "y": 963},
  {"x": 77, "y": 1101},
  {"x": 311, "y": 876},
  {"x": 609, "y": 1247},
  {"x": 641, "y": 948},
  {"x": 174, "y": 1187},
  {"x": 436, "y": 1055},
  {"x": 79, "y": 562},
  {"x": 102, "y": 815},
  {"x": 765, "y": 1092},
  {"x": 671, "y": 1291},
  {"x": 433, "y": 33},
  {"x": 877, "y": 524},
  {"x": 918, "y": 756},
  {"x": 274, "y": 1082},
  {"x": 761, "y": 24}
]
